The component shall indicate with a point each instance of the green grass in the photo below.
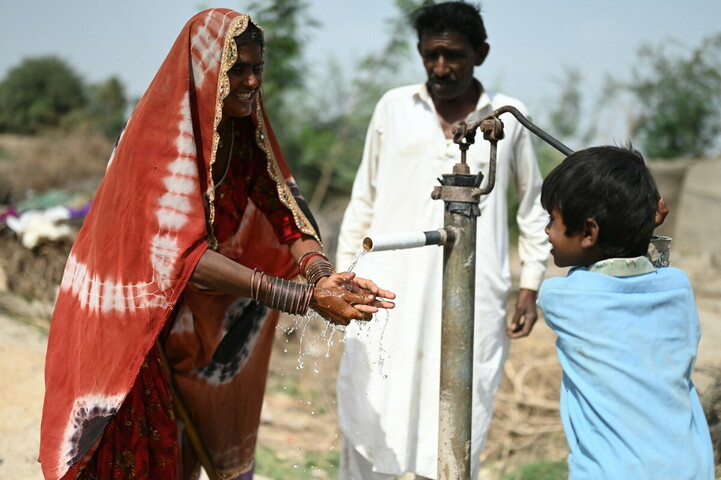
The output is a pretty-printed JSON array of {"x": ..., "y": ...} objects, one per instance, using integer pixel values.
[
  {"x": 540, "y": 470},
  {"x": 312, "y": 466}
]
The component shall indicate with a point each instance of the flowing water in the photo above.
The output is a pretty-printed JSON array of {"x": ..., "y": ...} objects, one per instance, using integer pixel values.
[
  {"x": 328, "y": 333},
  {"x": 366, "y": 327},
  {"x": 309, "y": 342}
]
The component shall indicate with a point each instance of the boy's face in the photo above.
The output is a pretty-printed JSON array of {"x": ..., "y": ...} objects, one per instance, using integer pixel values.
[{"x": 567, "y": 250}]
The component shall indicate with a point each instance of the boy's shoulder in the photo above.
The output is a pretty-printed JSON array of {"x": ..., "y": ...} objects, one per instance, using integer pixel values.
[{"x": 580, "y": 279}]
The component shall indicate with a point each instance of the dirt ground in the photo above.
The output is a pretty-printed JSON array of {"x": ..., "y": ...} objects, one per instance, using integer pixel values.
[{"x": 299, "y": 414}]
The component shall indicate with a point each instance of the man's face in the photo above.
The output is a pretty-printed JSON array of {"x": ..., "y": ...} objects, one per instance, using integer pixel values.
[
  {"x": 449, "y": 60},
  {"x": 245, "y": 78},
  {"x": 567, "y": 250}
]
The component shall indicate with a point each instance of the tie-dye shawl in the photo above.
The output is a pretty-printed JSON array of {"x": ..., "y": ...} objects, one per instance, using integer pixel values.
[{"x": 147, "y": 229}]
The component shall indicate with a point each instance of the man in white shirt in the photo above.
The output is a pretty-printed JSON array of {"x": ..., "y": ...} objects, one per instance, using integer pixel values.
[{"x": 388, "y": 383}]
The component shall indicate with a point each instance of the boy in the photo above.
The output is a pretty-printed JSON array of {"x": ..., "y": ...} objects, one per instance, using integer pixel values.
[{"x": 627, "y": 332}]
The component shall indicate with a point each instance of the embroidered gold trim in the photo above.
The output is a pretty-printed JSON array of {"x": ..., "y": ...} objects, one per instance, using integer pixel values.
[
  {"x": 227, "y": 60},
  {"x": 284, "y": 192}
]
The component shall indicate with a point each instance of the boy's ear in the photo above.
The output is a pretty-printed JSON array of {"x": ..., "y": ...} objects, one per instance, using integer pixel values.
[{"x": 590, "y": 231}]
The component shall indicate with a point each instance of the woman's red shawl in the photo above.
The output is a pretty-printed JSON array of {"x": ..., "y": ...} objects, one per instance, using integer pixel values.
[{"x": 144, "y": 234}]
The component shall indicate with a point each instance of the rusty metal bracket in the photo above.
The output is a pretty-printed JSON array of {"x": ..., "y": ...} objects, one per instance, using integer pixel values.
[
  {"x": 456, "y": 194},
  {"x": 490, "y": 128}
]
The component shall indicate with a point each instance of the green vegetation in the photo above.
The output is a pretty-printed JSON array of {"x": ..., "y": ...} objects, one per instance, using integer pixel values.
[
  {"x": 677, "y": 99},
  {"x": 321, "y": 120},
  {"x": 312, "y": 466},
  {"x": 541, "y": 470},
  {"x": 39, "y": 92},
  {"x": 45, "y": 93}
]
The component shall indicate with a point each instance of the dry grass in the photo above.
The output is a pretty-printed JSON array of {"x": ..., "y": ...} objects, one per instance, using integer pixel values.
[{"x": 32, "y": 165}]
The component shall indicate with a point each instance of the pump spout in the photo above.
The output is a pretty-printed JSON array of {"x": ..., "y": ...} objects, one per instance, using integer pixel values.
[{"x": 402, "y": 241}]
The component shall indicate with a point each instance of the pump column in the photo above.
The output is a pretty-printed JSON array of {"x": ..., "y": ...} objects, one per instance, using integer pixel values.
[{"x": 460, "y": 193}]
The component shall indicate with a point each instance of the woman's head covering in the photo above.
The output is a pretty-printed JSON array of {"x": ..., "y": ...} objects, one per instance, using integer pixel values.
[{"x": 150, "y": 223}]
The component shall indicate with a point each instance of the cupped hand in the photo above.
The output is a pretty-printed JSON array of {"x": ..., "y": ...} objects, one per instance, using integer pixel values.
[{"x": 342, "y": 297}]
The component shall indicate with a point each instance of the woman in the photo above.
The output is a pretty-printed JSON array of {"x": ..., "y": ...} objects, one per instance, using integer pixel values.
[{"x": 165, "y": 296}]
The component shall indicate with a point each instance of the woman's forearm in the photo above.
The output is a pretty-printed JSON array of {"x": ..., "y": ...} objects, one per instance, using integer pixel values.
[{"x": 219, "y": 273}]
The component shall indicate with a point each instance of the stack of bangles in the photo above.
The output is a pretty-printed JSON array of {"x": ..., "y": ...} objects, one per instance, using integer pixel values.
[
  {"x": 316, "y": 270},
  {"x": 281, "y": 294},
  {"x": 287, "y": 296}
]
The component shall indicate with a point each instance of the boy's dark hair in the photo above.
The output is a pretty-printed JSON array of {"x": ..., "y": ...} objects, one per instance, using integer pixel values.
[
  {"x": 614, "y": 187},
  {"x": 458, "y": 16}
]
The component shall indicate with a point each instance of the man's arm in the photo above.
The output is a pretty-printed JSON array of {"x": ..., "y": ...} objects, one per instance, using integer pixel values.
[{"x": 359, "y": 212}]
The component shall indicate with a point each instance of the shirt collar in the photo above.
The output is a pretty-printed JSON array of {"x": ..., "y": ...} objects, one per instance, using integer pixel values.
[
  {"x": 623, "y": 267},
  {"x": 483, "y": 107}
]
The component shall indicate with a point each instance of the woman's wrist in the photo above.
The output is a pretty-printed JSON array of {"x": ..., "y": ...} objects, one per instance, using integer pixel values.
[
  {"x": 317, "y": 270},
  {"x": 314, "y": 271},
  {"x": 281, "y": 294}
]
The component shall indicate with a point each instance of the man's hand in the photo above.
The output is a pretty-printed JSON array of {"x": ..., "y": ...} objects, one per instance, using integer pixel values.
[{"x": 525, "y": 315}]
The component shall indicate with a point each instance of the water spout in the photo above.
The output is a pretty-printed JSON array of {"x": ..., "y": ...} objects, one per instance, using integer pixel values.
[{"x": 402, "y": 241}]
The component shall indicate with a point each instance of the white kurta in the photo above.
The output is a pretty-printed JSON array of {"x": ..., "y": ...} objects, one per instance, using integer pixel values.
[{"x": 388, "y": 383}]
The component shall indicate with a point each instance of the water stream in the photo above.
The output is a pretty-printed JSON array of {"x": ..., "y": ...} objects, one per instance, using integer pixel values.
[{"x": 313, "y": 344}]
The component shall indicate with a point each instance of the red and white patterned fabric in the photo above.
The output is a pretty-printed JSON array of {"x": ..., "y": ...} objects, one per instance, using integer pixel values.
[{"x": 149, "y": 225}]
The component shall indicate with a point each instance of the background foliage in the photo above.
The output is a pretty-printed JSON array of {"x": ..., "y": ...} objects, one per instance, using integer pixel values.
[
  {"x": 45, "y": 92},
  {"x": 677, "y": 94}
]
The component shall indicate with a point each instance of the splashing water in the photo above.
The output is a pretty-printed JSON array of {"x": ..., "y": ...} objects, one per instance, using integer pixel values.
[
  {"x": 366, "y": 326},
  {"x": 382, "y": 352},
  {"x": 301, "y": 324},
  {"x": 355, "y": 261},
  {"x": 302, "y": 337}
]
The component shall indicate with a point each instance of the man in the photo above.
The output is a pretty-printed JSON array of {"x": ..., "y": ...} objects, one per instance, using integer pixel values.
[{"x": 388, "y": 382}]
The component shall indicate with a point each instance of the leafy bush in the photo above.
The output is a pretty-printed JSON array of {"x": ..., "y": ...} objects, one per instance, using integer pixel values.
[
  {"x": 39, "y": 93},
  {"x": 45, "y": 93}
]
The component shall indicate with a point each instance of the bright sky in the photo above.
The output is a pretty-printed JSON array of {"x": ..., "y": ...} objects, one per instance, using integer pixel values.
[{"x": 532, "y": 41}]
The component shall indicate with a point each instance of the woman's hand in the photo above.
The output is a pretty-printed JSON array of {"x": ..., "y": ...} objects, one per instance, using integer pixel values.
[{"x": 342, "y": 297}]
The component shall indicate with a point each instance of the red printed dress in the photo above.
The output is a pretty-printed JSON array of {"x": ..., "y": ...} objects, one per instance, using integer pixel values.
[{"x": 154, "y": 215}]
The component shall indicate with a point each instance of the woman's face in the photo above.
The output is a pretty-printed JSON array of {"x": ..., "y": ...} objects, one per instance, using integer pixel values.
[{"x": 245, "y": 77}]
